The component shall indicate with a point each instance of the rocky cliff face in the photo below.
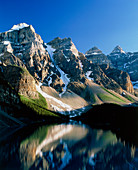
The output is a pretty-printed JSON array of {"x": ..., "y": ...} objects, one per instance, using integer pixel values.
[
  {"x": 118, "y": 59},
  {"x": 66, "y": 56},
  {"x": 125, "y": 61},
  {"x": 79, "y": 68},
  {"x": 20, "y": 80},
  {"x": 96, "y": 56},
  {"x": 121, "y": 77},
  {"x": 26, "y": 45},
  {"x": 10, "y": 59}
]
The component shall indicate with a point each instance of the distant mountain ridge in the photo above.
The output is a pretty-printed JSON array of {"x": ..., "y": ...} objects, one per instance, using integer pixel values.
[
  {"x": 126, "y": 61},
  {"x": 118, "y": 58},
  {"x": 97, "y": 56}
]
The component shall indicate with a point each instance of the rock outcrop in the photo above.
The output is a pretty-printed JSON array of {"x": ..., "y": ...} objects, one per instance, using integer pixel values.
[
  {"x": 121, "y": 77},
  {"x": 66, "y": 56},
  {"x": 10, "y": 59},
  {"x": 96, "y": 56},
  {"x": 24, "y": 43},
  {"x": 20, "y": 79},
  {"x": 127, "y": 62}
]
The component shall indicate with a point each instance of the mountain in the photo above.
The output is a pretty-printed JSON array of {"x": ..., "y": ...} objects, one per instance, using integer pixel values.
[
  {"x": 96, "y": 56},
  {"x": 126, "y": 61},
  {"x": 56, "y": 71},
  {"x": 119, "y": 59}
]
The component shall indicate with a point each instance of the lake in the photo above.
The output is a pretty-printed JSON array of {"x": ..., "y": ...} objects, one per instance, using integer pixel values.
[{"x": 66, "y": 146}]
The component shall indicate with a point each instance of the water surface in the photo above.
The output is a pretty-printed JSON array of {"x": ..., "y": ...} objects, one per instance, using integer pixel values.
[{"x": 66, "y": 146}]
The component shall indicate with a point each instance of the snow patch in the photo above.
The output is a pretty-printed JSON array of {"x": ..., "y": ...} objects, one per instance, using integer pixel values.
[
  {"x": 67, "y": 58},
  {"x": 133, "y": 61},
  {"x": 131, "y": 72},
  {"x": 6, "y": 42},
  {"x": 81, "y": 65},
  {"x": 18, "y": 27},
  {"x": 125, "y": 65},
  {"x": 52, "y": 65},
  {"x": 49, "y": 77},
  {"x": 135, "y": 84},
  {"x": 50, "y": 81},
  {"x": 8, "y": 46},
  {"x": 1, "y": 54},
  {"x": 65, "y": 106},
  {"x": 88, "y": 73},
  {"x": 118, "y": 49},
  {"x": 94, "y": 53},
  {"x": 50, "y": 50},
  {"x": 91, "y": 161},
  {"x": 57, "y": 108},
  {"x": 63, "y": 77}
]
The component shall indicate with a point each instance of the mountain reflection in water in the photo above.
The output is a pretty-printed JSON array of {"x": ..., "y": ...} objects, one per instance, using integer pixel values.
[{"x": 66, "y": 147}]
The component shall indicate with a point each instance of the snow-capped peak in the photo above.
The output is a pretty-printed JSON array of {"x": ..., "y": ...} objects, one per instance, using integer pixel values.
[
  {"x": 118, "y": 49},
  {"x": 19, "y": 26}
]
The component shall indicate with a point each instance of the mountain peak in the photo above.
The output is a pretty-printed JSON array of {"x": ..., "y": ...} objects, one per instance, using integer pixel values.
[
  {"x": 64, "y": 44},
  {"x": 21, "y": 26},
  {"x": 18, "y": 27},
  {"x": 118, "y": 49},
  {"x": 93, "y": 51}
]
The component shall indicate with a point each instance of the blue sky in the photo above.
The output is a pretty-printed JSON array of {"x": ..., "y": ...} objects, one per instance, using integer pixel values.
[{"x": 101, "y": 23}]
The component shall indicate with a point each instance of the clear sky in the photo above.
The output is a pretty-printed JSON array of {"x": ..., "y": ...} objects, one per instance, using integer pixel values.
[{"x": 101, "y": 23}]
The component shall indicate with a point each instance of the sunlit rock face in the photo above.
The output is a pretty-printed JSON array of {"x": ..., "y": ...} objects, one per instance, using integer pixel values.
[
  {"x": 21, "y": 46},
  {"x": 25, "y": 44},
  {"x": 121, "y": 77},
  {"x": 20, "y": 79}
]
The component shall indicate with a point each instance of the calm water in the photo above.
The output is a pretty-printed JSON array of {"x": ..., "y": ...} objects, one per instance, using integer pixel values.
[{"x": 66, "y": 147}]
